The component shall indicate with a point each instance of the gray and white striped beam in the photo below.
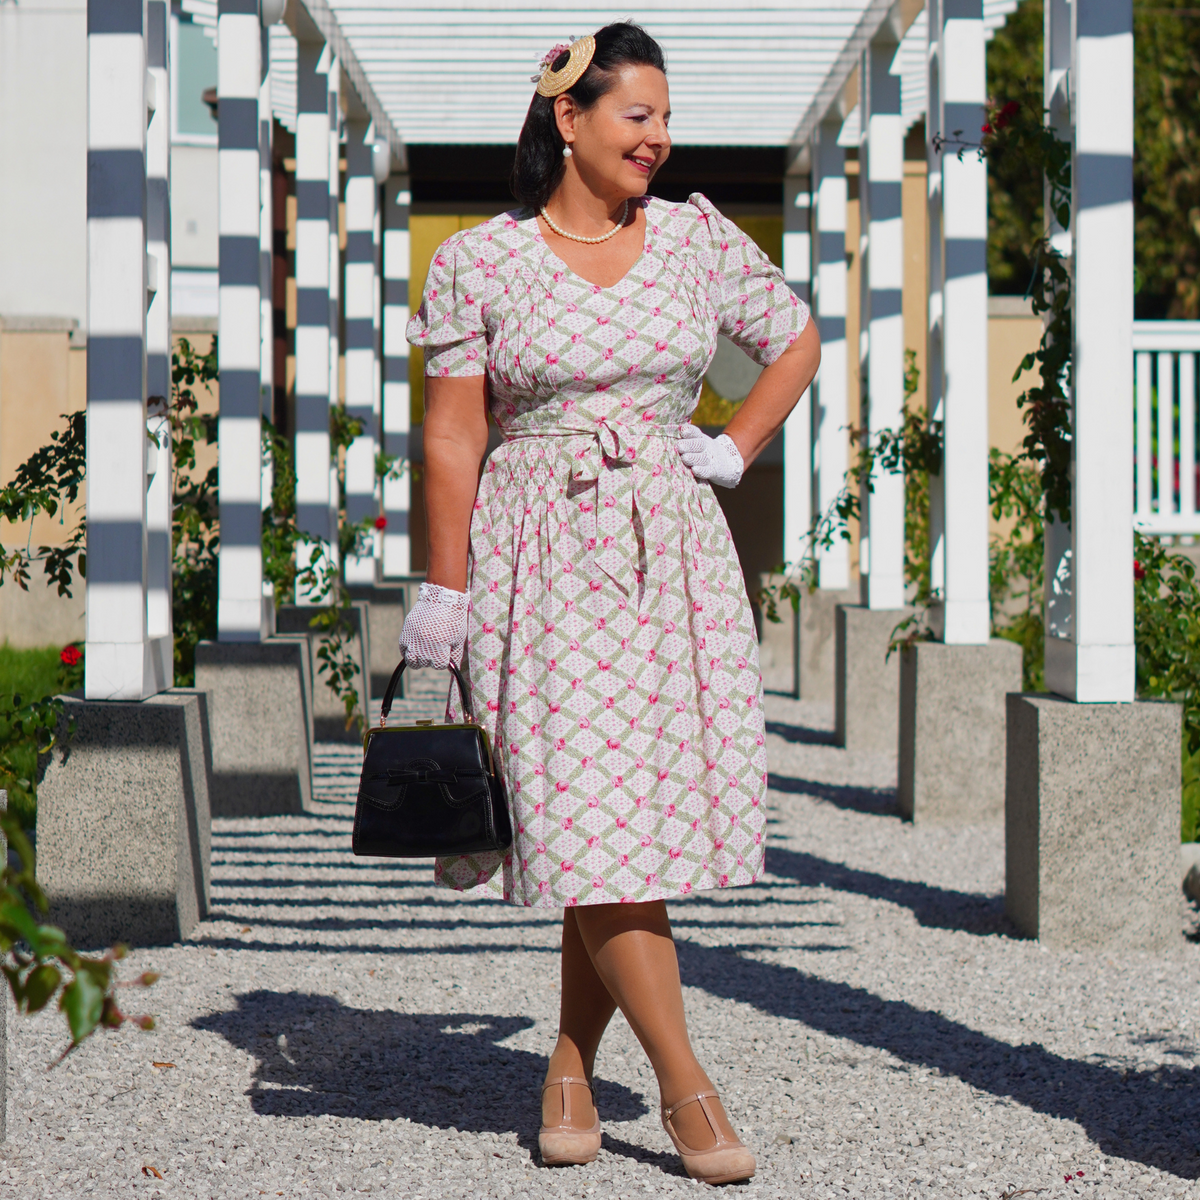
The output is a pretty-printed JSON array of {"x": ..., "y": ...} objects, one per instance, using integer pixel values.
[
  {"x": 829, "y": 304},
  {"x": 797, "y": 429},
  {"x": 397, "y": 402},
  {"x": 1096, "y": 663},
  {"x": 119, "y": 651},
  {"x": 239, "y": 493},
  {"x": 159, "y": 624},
  {"x": 360, "y": 290},
  {"x": 881, "y": 165},
  {"x": 958, "y": 349},
  {"x": 311, "y": 439}
]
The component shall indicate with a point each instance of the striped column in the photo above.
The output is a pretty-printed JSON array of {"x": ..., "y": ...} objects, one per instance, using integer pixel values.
[
  {"x": 797, "y": 429},
  {"x": 266, "y": 239},
  {"x": 118, "y": 647},
  {"x": 334, "y": 83},
  {"x": 381, "y": 159},
  {"x": 312, "y": 298},
  {"x": 1059, "y": 44},
  {"x": 966, "y": 611},
  {"x": 881, "y": 162},
  {"x": 830, "y": 410},
  {"x": 158, "y": 337},
  {"x": 935, "y": 371},
  {"x": 1097, "y": 663},
  {"x": 360, "y": 290},
  {"x": 239, "y": 491},
  {"x": 397, "y": 411}
]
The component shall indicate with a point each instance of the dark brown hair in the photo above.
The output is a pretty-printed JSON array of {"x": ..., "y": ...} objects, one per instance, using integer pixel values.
[{"x": 539, "y": 165}]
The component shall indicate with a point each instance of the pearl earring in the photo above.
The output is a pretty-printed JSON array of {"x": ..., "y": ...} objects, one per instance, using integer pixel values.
[{"x": 567, "y": 152}]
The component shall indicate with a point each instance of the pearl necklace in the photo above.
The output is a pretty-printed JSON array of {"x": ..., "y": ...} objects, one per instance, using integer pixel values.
[{"x": 590, "y": 241}]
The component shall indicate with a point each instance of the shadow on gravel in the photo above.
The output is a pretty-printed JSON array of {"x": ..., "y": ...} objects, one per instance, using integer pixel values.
[
  {"x": 934, "y": 907},
  {"x": 876, "y": 801},
  {"x": 439, "y": 1069},
  {"x": 801, "y": 734},
  {"x": 381, "y": 948},
  {"x": 1148, "y": 1117}
]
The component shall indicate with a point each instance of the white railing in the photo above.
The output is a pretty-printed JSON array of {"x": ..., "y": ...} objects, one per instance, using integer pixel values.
[{"x": 1165, "y": 376}]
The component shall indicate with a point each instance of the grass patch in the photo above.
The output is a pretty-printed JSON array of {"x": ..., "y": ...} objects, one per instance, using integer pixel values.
[{"x": 31, "y": 675}]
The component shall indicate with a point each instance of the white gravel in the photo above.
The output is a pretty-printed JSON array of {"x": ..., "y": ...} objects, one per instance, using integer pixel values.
[{"x": 341, "y": 1026}]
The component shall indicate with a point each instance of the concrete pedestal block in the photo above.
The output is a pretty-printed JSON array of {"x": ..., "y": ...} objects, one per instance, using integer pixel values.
[
  {"x": 329, "y": 714},
  {"x": 387, "y": 605},
  {"x": 777, "y": 644},
  {"x": 816, "y": 636},
  {"x": 123, "y": 822},
  {"x": 866, "y": 702},
  {"x": 952, "y": 721},
  {"x": 261, "y": 718},
  {"x": 1092, "y": 823}
]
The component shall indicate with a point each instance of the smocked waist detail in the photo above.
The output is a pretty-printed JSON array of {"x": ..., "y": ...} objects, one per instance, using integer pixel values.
[{"x": 605, "y": 455}]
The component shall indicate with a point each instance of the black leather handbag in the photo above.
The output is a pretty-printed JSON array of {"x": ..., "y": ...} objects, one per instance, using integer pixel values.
[{"x": 429, "y": 790}]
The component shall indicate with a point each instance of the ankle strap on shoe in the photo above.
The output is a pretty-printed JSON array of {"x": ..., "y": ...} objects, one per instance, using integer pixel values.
[
  {"x": 668, "y": 1113},
  {"x": 573, "y": 1079}
]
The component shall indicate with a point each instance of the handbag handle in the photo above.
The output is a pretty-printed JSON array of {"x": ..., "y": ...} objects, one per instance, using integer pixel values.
[{"x": 394, "y": 682}]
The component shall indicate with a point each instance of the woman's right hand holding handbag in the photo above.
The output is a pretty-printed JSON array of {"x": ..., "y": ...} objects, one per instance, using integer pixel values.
[{"x": 435, "y": 629}]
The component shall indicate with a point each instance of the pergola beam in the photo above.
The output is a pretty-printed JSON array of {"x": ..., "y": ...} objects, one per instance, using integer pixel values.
[
  {"x": 900, "y": 14},
  {"x": 313, "y": 20}
]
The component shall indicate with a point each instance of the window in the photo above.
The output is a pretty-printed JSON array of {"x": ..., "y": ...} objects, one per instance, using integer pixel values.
[{"x": 194, "y": 63}]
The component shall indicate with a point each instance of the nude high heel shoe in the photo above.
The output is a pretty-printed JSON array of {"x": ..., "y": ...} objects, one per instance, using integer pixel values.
[
  {"x": 726, "y": 1162},
  {"x": 563, "y": 1145}
]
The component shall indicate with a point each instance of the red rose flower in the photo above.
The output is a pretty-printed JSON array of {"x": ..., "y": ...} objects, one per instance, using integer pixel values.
[
  {"x": 381, "y": 522},
  {"x": 1139, "y": 573},
  {"x": 70, "y": 655}
]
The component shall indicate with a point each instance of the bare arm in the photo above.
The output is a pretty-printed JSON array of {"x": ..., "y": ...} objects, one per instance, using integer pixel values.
[
  {"x": 455, "y": 443},
  {"x": 775, "y": 394}
]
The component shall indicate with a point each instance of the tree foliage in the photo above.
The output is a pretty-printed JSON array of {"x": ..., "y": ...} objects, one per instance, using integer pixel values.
[
  {"x": 1166, "y": 162},
  {"x": 1166, "y": 159}
]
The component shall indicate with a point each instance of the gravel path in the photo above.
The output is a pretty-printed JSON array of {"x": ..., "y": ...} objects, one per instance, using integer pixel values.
[{"x": 876, "y": 1029}]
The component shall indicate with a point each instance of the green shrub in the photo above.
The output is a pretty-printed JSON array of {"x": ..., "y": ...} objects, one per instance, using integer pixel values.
[
  {"x": 1167, "y": 631},
  {"x": 26, "y": 678}
]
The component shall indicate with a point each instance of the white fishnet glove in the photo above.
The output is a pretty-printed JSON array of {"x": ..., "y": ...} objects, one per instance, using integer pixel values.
[
  {"x": 435, "y": 629},
  {"x": 715, "y": 459}
]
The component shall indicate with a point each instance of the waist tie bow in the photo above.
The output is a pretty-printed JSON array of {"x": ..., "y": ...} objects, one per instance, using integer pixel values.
[{"x": 606, "y": 456}]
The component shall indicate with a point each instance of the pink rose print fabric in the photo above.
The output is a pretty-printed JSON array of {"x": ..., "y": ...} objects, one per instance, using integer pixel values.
[{"x": 611, "y": 652}]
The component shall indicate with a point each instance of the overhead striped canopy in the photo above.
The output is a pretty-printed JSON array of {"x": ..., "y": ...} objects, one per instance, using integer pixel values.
[{"x": 457, "y": 71}]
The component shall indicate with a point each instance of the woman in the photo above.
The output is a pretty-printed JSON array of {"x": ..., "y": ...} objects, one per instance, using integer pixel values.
[{"x": 590, "y": 570}]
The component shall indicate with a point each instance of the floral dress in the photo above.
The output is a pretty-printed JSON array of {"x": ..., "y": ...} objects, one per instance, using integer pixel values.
[{"x": 611, "y": 647}]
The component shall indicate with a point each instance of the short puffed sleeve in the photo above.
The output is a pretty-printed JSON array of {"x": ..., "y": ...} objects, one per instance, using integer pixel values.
[
  {"x": 449, "y": 325},
  {"x": 757, "y": 309}
]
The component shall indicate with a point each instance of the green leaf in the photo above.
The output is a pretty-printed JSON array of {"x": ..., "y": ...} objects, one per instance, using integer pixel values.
[
  {"x": 82, "y": 1003},
  {"x": 40, "y": 986}
]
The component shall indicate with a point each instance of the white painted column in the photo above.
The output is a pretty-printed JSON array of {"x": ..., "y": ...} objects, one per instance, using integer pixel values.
[
  {"x": 312, "y": 300},
  {"x": 397, "y": 545},
  {"x": 334, "y": 83},
  {"x": 361, "y": 372},
  {"x": 797, "y": 429},
  {"x": 1096, "y": 662},
  {"x": 266, "y": 236},
  {"x": 119, "y": 660},
  {"x": 958, "y": 325},
  {"x": 1057, "y": 49},
  {"x": 829, "y": 305},
  {"x": 881, "y": 163},
  {"x": 381, "y": 158},
  {"x": 239, "y": 491},
  {"x": 159, "y": 624}
]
